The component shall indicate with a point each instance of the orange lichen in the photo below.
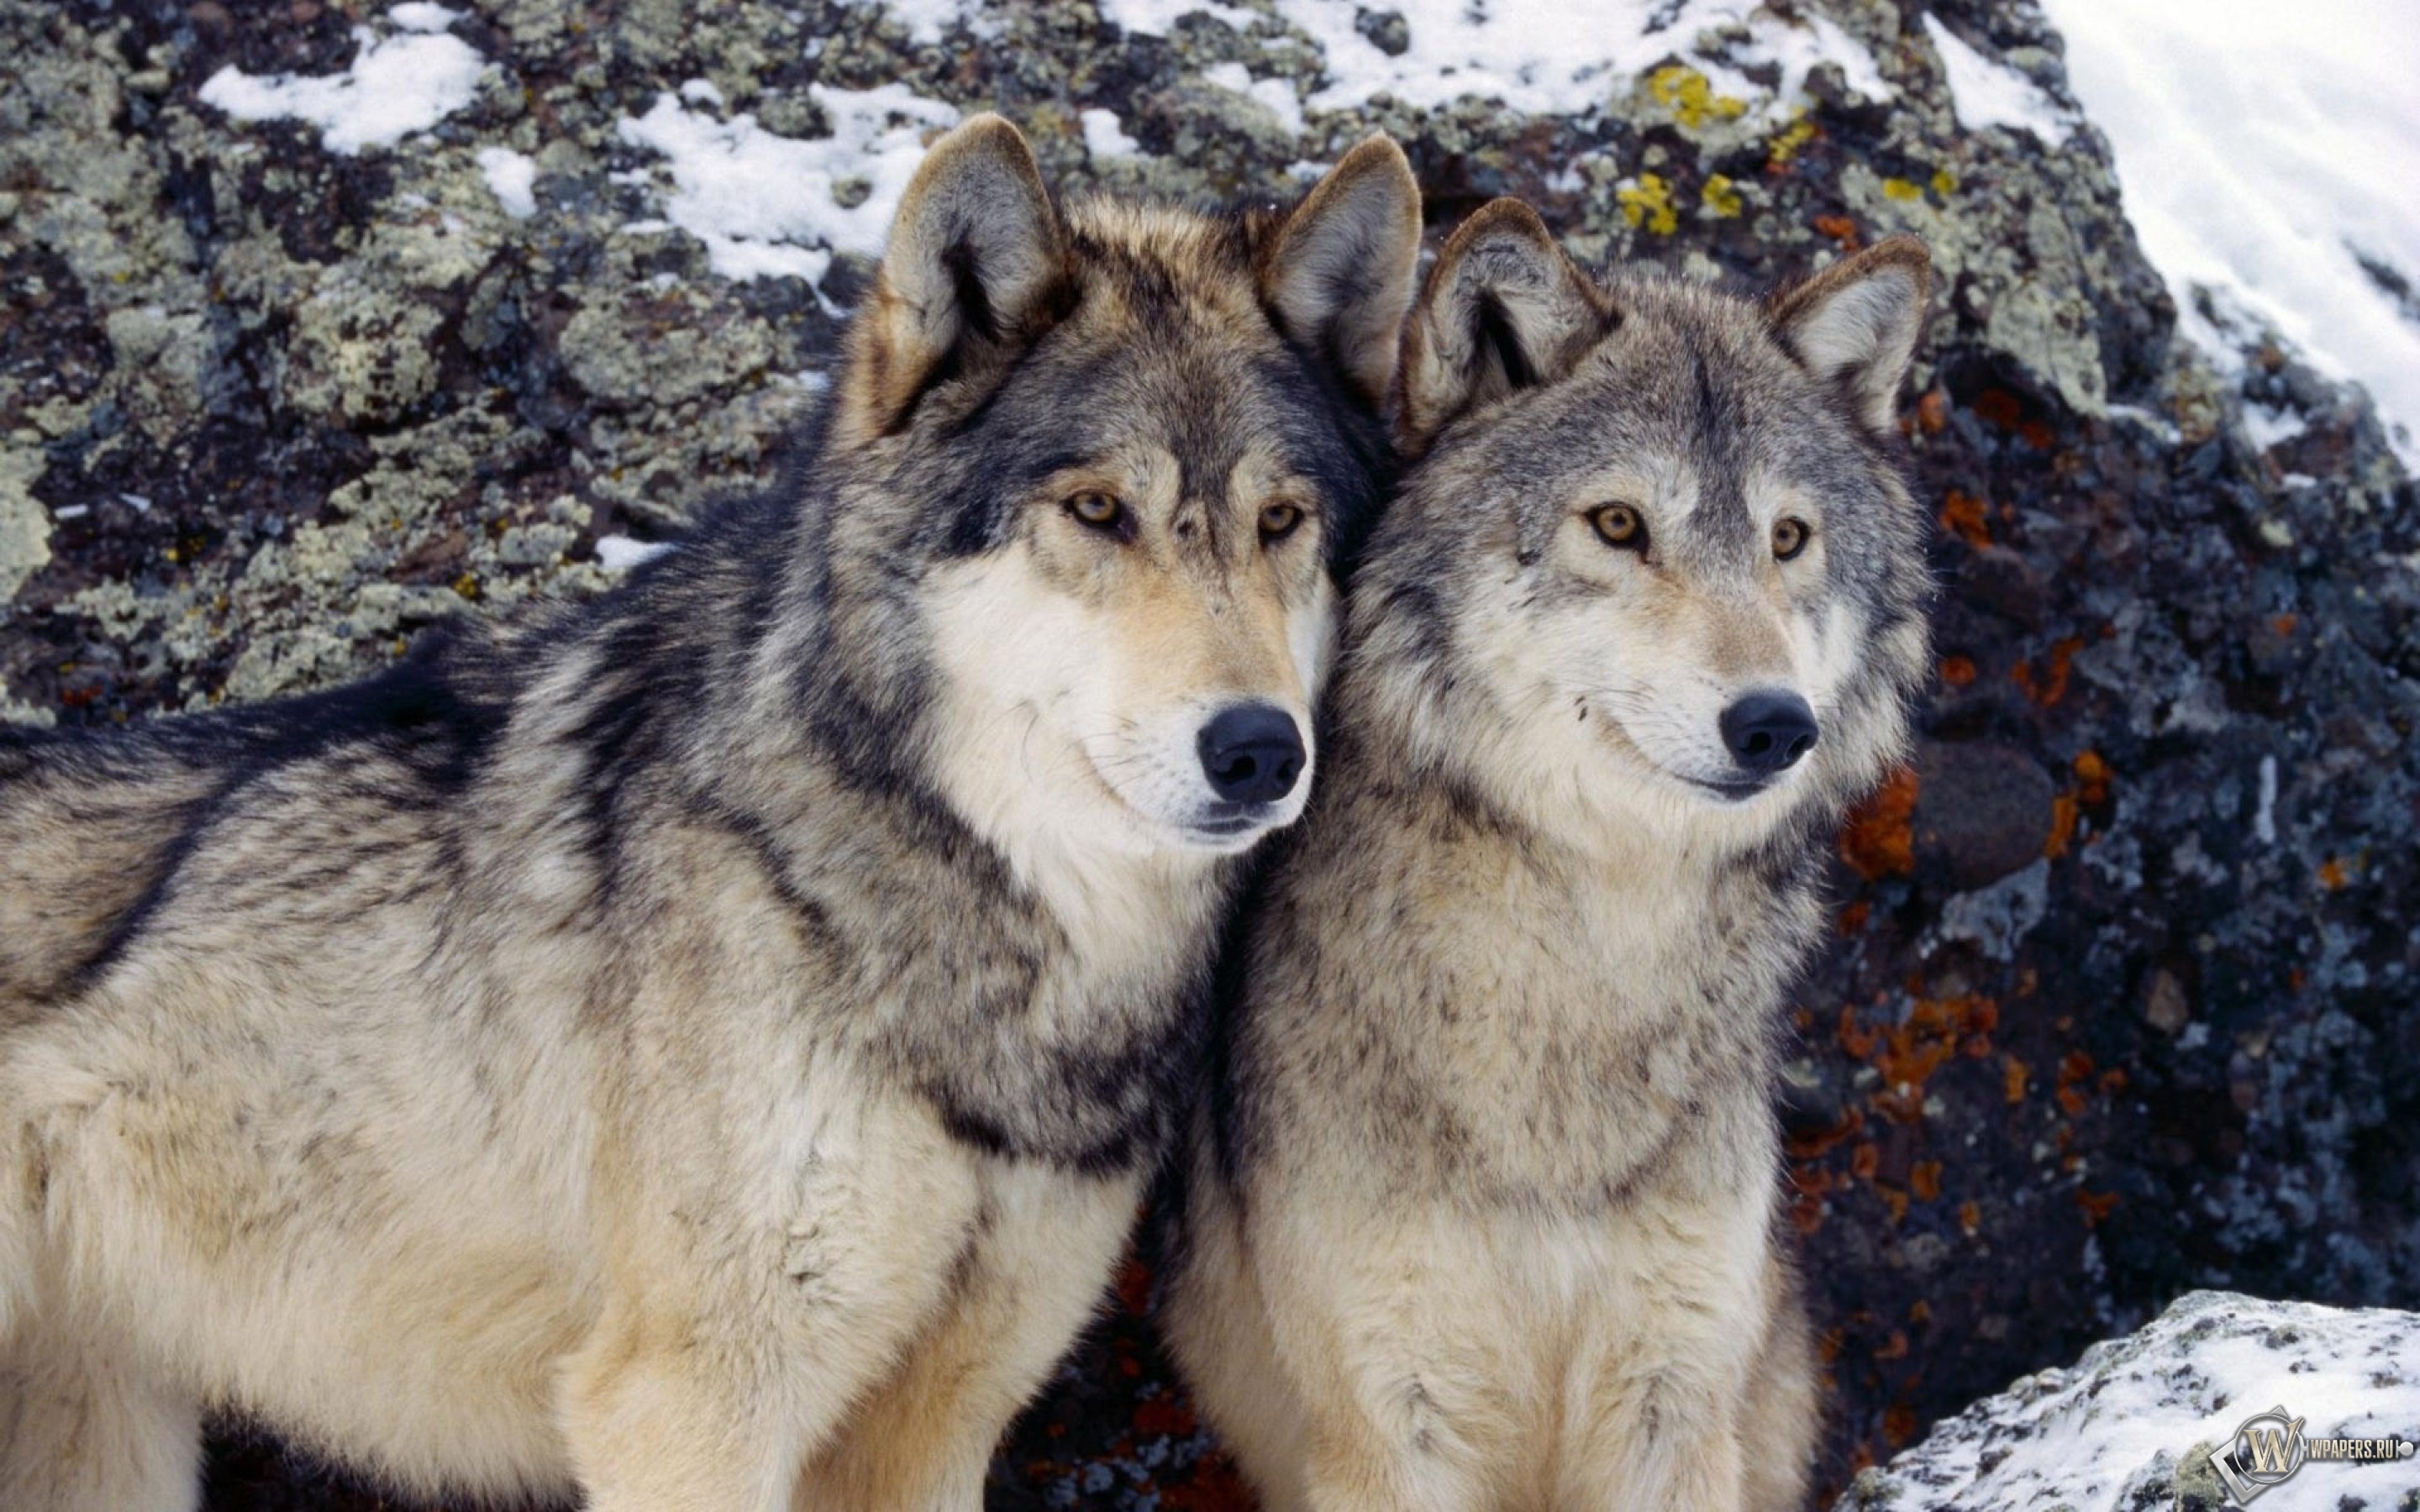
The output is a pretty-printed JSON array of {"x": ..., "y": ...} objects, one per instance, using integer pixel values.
[
  {"x": 1967, "y": 517},
  {"x": 1920, "y": 1311},
  {"x": 1853, "y": 917},
  {"x": 1807, "y": 1147},
  {"x": 1879, "y": 838},
  {"x": 2283, "y": 624},
  {"x": 1958, "y": 672},
  {"x": 1840, "y": 229},
  {"x": 2093, "y": 773},
  {"x": 1854, "y": 1038},
  {"x": 1899, "y": 1426},
  {"x": 1970, "y": 1217},
  {"x": 2334, "y": 873},
  {"x": 2013, "y": 1077},
  {"x": 2064, "y": 811},
  {"x": 1933, "y": 412},
  {"x": 1925, "y": 1181},
  {"x": 2096, "y": 1205},
  {"x": 2051, "y": 687}
]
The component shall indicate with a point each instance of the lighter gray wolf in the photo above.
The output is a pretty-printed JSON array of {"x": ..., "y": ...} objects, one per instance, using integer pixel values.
[
  {"x": 1481, "y": 1213},
  {"x": 702, "y": 1049}
]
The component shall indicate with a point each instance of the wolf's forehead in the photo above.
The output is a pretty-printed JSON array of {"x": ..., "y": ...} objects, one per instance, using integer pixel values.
[{"x": 1149, "y": 262}]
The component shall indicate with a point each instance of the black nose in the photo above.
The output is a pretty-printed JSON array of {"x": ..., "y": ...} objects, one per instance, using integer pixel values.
[
  {"x": 1251, "y": 753},
  {"x": 1768, "y": 732}
]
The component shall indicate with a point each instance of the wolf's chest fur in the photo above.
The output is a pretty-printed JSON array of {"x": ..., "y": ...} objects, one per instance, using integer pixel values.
[{"x": 1553, "y": 1028}]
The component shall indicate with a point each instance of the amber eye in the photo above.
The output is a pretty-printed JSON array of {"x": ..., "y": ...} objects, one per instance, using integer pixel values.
[
  {"x": 1279, "y": 520},
  {"x": 1100, "y": 511},
  {"x": 1620, "y": 525},
  {"x": 1790, "y": 537}
]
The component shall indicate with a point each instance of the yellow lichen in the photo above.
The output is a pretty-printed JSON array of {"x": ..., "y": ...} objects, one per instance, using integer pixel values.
[
  {"x": 1649, "y": 203},
  {"x": 1788, "y": 140},
  {"x": 1900, "y": 189},
  {"x": 1720, "y": 199},
  {"x": 1944, "y": 184},
  {"x": 1692, "y": 100}
]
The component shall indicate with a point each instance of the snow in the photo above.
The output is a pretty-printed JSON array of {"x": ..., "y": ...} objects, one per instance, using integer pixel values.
[
  {"x": 1562, "y": 56},
  {"x": 1157, "y": 18},
  {"x": 771, "y": 206},
  {"x": 1986, "y": 94},
  {"x": 512, "y": 177},
  {"x": 394, "y": 86},
  {"x": 620, "y": 553},
  {"x": 1105, "y": 135},
  {"x": 925, "y": 18},
  {"x": 422, "y": 16},
  {"x": 2264, "y": 151},
  {"x": 1275, "y": 96},
  {"x": 2110, "y": 1432}
]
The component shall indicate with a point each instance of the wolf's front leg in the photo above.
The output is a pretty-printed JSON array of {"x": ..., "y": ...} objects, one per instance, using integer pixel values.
[
  {"x": 1656, "y": 1442},
  {"x": 735, "y": 1346},
  {"x": 1042, "y": 1259}
]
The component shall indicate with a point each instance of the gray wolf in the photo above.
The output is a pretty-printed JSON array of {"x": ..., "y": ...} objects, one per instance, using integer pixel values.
[
  {"x": 702, "y": 1049},
  {"x": 1481, "y": 1211}
]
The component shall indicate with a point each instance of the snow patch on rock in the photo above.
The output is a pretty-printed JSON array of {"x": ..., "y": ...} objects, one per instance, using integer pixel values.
[
  {"x": 1564, "y": 56},
  {"x": 2134, "y": 1421},
  {"x": 1105, "y": 135},
  {"x": 2266, "y": 152},
  {"x": 512, "y": 177},
  {"x": 1985, "y": 93},
  {"x": 771, "y": 206},
  {"x": 394, "y": 86}
]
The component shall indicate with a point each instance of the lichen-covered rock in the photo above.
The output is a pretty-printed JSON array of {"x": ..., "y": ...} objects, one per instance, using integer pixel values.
[
  {"x": 2120, "y": 1002},
  {"x": 2133, "y": 1425}
]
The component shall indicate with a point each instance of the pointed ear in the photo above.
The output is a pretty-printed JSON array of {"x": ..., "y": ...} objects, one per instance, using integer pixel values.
[
  {"x": 1857, "y": 323},
  {"x": 1339, "y": 269},
  {"x": 977, "y": 256},
  {"x": 1504, "y": 309}
]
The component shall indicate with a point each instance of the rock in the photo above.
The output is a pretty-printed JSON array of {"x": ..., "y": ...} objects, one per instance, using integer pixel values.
[
  {"x": 268, "y": 409},
  {"x": 1387, "y": 30},
  {"x": 2150, "y": 1420},
  {"x": 2163, "y": 1003},
  {"x": 1982, "y": 811}
]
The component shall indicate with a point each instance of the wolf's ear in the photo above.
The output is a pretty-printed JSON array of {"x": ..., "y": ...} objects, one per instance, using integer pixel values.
[
  {"x": 1503, "y": 309},
  {"x": 1339, "y": 269},
  {"x": 977, "y": 254},
  {"x": 1856, "y": 322}
]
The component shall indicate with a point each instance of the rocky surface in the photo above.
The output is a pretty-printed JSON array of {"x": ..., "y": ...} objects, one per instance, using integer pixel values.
[
  {"x": 2121, "y": 999},
  {"x": 2134, "y": 1425}
]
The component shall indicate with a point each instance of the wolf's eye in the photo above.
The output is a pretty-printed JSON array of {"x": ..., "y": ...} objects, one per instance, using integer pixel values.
[
  {"x": 1620, "y": 525},
  {"x": 1279, "y": 520},
  {"x": 1790, "y": 537},
  {"x": 1100, "y": 511}
]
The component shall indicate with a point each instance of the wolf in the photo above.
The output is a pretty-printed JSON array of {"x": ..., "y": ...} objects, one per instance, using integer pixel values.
[
  {"x": 702, "y": 1049},
  {"x": 1481, "y": 1211}
]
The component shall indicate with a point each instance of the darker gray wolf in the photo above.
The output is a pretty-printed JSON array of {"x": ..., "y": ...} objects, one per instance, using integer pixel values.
[{"x": 702, "y": 1049}]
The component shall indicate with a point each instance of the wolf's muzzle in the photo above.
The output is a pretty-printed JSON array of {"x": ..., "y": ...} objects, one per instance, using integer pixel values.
[{"x": 1251, "y": 753}]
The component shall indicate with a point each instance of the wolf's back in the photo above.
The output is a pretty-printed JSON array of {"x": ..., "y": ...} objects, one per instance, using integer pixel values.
[
  {"x": 88, "y": 826},
  {"x": 95, "y": 824}
]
